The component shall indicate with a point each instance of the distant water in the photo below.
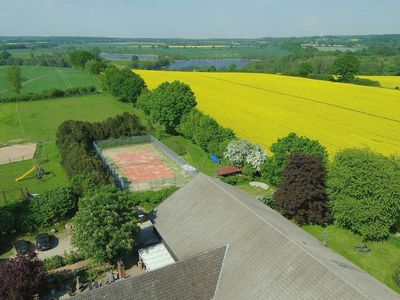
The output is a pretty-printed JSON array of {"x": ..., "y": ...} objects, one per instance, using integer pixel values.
[
  {"x": 218, "y": 63},
  {"x": 127, "y": 56}
]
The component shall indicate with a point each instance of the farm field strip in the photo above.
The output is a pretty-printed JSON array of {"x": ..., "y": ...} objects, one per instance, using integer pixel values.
[{"x": 263, "y": 107}]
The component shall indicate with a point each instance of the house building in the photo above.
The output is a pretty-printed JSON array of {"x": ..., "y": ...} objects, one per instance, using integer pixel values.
[{"x": 230, "y": 246}]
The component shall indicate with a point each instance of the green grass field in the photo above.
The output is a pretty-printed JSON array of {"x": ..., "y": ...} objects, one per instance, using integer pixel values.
[
  {"x": 37, "y": 79},
  {"x": 381, "y": 263},
  {"x": 26, "y": 53},
  {"x": 9, "y": 172},
  {"x": 120, "y": 63},
  {"x": 39, "y": 120}
]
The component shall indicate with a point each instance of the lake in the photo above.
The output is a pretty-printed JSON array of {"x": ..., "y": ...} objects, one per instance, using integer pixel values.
[
  {"x": 182, "y": 64},
  {"x": 218, "y": 63}
]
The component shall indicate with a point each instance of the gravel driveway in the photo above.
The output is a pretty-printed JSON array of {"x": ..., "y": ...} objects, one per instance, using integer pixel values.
[{"x": 61, "y": 243}]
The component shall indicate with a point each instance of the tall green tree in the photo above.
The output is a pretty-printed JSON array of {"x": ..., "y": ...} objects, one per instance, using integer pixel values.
[
  {"x": 79, "y": 58},
  {"x": 302, "y": 194},
  {"x": 124, "y": 84},
  {"x": 170, "y": 101},
  {"x": 346, "y": 66},
  {"x": 14, "y": 79},
  {"x": 5, "y": 54},
  {"x": 95, "y": 66},
  {"x": 305, "y": 69},
  {"x": 272, "y": 170},
  {"x": 364, "y": 192},
  {"x": 105, "y": 225},
  {"x": 134, "y": 62}
]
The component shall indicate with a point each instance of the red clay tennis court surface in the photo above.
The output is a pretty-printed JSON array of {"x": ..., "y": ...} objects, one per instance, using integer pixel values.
[
  {"x": 145, "y": 166},
  {"x": 141, "y": 166}
]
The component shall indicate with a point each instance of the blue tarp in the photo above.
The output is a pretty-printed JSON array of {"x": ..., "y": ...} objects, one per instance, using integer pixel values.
[{"x": 215, "y": 159}]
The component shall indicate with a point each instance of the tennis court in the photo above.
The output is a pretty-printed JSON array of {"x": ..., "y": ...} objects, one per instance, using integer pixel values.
[{"x": 145, "y": 166}]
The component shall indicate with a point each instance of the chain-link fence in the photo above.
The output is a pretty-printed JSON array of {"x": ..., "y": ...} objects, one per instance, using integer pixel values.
[{"x": 186, "y": 170}]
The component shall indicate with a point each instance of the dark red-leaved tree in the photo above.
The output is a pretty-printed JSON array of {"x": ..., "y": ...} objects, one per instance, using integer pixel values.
[
  {"x": 22, "y": 277},
  {"x": 302, "y": 193}
]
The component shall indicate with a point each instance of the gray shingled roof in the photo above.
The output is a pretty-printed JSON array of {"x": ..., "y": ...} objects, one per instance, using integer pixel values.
[
  {"x": 268, "y": 256},
  {"x": 195, "y": 278}
]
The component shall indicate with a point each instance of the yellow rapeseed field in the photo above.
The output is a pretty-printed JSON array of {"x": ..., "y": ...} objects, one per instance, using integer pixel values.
[
  {"x": 386, "y": 81},
  {"x": 263, "y": 107}
]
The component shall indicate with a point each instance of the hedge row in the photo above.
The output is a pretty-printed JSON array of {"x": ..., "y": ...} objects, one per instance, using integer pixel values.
[
  {"x": 51, "y": 93},
  {"x": 75, "y": 141},
  {"x": 205, "y": 132},
  {"x": 59, "y": 261}
]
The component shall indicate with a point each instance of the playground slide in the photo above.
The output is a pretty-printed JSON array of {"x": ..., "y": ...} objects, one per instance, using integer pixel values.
[{"x": 25, "y": 174}]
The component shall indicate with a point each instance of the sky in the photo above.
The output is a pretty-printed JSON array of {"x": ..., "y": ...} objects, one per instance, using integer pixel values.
[{"x": 198, "y": 18}]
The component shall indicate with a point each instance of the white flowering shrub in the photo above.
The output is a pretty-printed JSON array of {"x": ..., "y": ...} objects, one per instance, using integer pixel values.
[
  {"x": 240, "y": 152},
  {"x": 256, "y": 157},
  {"x": 236, "y": 152}
]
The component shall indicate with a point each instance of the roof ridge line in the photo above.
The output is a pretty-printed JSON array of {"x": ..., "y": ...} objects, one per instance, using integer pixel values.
[
  {"x": 220, "y": 271},
  {"x": 284, "y": 234}
]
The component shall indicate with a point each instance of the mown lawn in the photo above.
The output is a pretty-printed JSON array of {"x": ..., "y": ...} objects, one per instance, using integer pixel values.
[
  {"x": 381, "y": 263},
  {"x": 38, "y": 78},
  {"x": 196, "y": 156},
  {"x": 9, "y": 172},
  {"x": 39, "y": 120}
]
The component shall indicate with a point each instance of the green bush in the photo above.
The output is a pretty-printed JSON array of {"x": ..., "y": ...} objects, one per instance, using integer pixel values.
[
  {"x": 249, "y": 171},
  {"x": 205, "y": 132},
  {"x": 59, "y": 261},
  {"x": 267, "y": 199},
  {"x": 150, "y": 199},
  {"x": 53, "y": 262},
  {"x": 53, "y": 206},
  {"x": 396, "y": 277},
  {"x": 364, "y": 192},
  {"x": 235, "y": 179},
  {"x": 72, "y": 257},
  {"x": 7, "y": 224}
]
